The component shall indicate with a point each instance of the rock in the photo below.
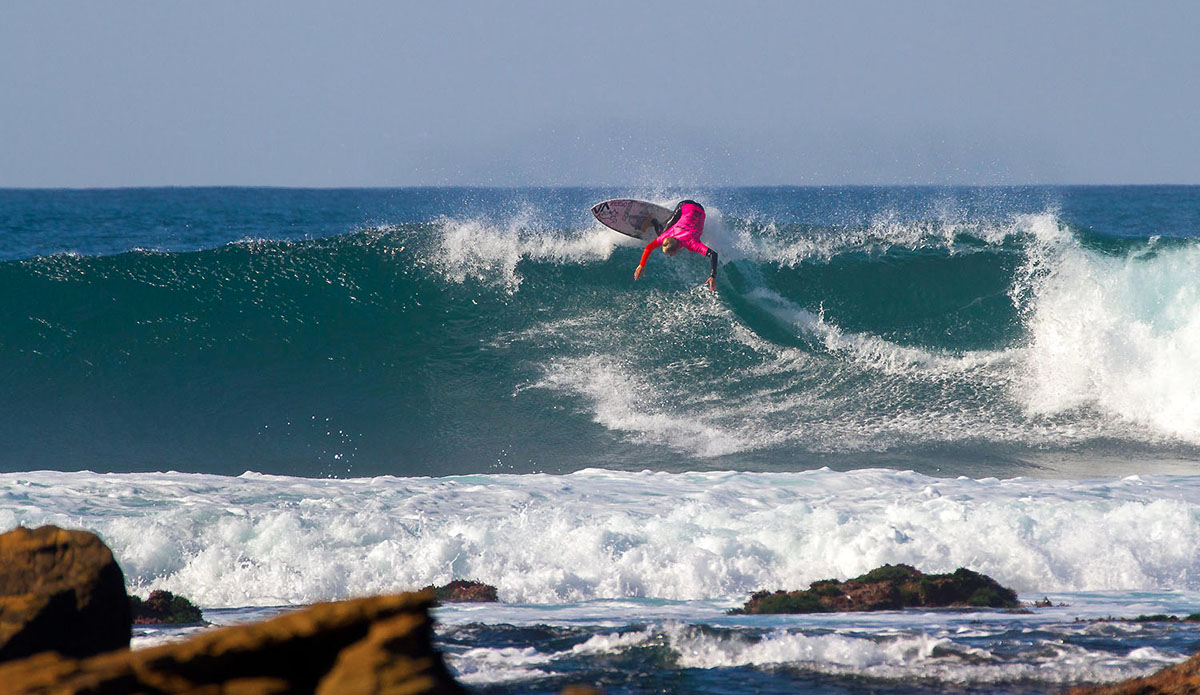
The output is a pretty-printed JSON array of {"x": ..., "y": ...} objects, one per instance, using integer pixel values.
[
  {"x": 1173, "y": 680},
  {"x": 378, "y": 646},
  {"x": 462, "y": 591},
  {"x": 395, "y": 655},
  {"x": 1153, "y": 618},
  {"x": 60, "y": 590},
  {"x": 890, "y": 587},
  {"x": 164, "y": 608}
]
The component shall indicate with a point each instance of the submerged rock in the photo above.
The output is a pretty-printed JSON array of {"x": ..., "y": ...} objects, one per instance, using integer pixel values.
[
  {"x": 463, "y": 591},
  {"x": 890, "y": 587},
  {"x": 377, "y": 645},
  {"x": 164, "y": 608},
  {"x": 60, "y": 591}
]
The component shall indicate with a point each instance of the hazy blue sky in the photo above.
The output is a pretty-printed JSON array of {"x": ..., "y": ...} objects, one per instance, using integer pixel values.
[{"x": 308, "y": 93}]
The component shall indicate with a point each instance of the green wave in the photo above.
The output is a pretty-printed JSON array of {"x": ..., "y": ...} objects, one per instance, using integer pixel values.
[{"x": 439, "y": 348}]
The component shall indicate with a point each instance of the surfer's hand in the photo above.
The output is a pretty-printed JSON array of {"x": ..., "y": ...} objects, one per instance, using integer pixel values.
[
  {"x": 637, "y": 274},
  {"x": 711, "y": 282}
]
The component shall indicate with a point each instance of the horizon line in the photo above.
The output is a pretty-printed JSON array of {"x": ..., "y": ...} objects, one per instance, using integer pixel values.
[{"x": 133, "y": 187}]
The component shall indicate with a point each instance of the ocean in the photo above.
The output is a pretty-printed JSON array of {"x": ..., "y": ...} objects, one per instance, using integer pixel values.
[{"x": 263, "y": 398}]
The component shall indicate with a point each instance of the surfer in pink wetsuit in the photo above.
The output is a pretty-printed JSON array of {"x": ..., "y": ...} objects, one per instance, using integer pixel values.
[{"x": 683, "y": 230}]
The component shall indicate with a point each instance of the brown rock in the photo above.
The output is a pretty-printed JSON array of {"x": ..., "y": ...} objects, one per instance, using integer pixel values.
[
  {"x": 890, "y": 587},
  {"x": 1173, "y": 680},
  {"x": 385, "y": 662},
  {"x": 377, "y": 645},
  {"x": 463, "y": 591},
  {"x": 62, "y": 591}
]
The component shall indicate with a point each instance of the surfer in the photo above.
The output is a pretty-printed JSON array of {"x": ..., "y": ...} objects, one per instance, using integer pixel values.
[{"x": 682, "y": 230}]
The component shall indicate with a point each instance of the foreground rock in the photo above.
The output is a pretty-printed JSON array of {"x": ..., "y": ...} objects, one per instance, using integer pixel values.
[
  {"x": 1174, "y": 680},
  {"x": 60, "y": 590},
  {"x": 462, "y": 591},
  {"x": 379, "y": 645},
  {"x": 891, "y": 587}
]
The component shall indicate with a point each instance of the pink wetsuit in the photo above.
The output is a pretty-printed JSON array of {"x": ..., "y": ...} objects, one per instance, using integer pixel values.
[{"x": 687, "y": 229}]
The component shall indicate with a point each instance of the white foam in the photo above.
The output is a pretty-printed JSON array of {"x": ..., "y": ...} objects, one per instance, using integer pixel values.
[
  {"x": 498, "y": 665},
  {"x": 267, "y": 540},
  {"x": 1120, "y": 335},
  {"x": 912, "y": 649},
  {"x": 482, "y": 251},
  {"x": 619, "y": 401},
  {"x": 775, "y": 398},
  {"x": 764, "y": 241},
  {"x": 871, "y": 351},
  {"x": 910, "y": 656},
  {"x": 506, "y": 664}
]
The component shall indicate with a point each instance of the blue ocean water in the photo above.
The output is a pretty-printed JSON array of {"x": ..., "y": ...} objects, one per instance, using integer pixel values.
[
  {"x": 444, "y": 331},
  {"x": 269, "y": 397}
]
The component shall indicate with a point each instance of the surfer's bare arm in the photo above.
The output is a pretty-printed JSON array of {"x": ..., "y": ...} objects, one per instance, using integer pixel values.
[
  {"x": 637, "y": 274},
  {"x": 712, "y": 278}
]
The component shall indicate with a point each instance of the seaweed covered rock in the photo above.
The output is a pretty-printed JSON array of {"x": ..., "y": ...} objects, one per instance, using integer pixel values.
[
  {"x": 891, "y": 587},
  {"x": 60, "y": 591},
  {"x": 164, "y": 608},
  {"x": 463, "y": 591}
]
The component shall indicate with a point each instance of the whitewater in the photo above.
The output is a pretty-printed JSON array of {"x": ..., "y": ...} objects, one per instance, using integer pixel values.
[
  {"x": 268, "y": 540},
  {"x": 262, "y": 398}
]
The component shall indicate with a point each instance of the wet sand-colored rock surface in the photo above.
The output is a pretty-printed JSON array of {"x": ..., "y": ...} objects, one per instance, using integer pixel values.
[
  {"x": 1179, "y": 679},
  {"x": 374, "y": 645},
  {"x": 60, "y": 590}
]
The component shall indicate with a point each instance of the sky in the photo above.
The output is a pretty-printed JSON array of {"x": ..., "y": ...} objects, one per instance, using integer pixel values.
[{"x": 330, "y": 94}]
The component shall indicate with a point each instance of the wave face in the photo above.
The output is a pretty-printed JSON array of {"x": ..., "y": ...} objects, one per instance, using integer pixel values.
[{"x": 435, "y": 332}]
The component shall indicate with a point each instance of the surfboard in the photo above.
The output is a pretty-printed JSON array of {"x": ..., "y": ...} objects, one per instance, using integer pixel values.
[{"x": 635, "y": 218}]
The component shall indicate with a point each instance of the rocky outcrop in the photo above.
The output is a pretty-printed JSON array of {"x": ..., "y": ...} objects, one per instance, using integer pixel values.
[
  {"x": 60, "y": 590},
  {"x": 891, "y": 587},
  {"x": 376, "y": 646},
  {"x": 1179, "y": 679},
  {"x": 462, "y": 591},
  {"x": 164, "y": 608}
]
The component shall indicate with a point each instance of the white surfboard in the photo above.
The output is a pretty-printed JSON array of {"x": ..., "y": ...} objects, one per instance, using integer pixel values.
[{"x": 635, "y": 218}]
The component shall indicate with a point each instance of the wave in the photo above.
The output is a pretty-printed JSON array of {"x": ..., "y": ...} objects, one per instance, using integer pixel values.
[
  {"x": 597, "y": 534},
  {"x": 905, "y": 657},
  {"x": 470, "y": 344}
]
